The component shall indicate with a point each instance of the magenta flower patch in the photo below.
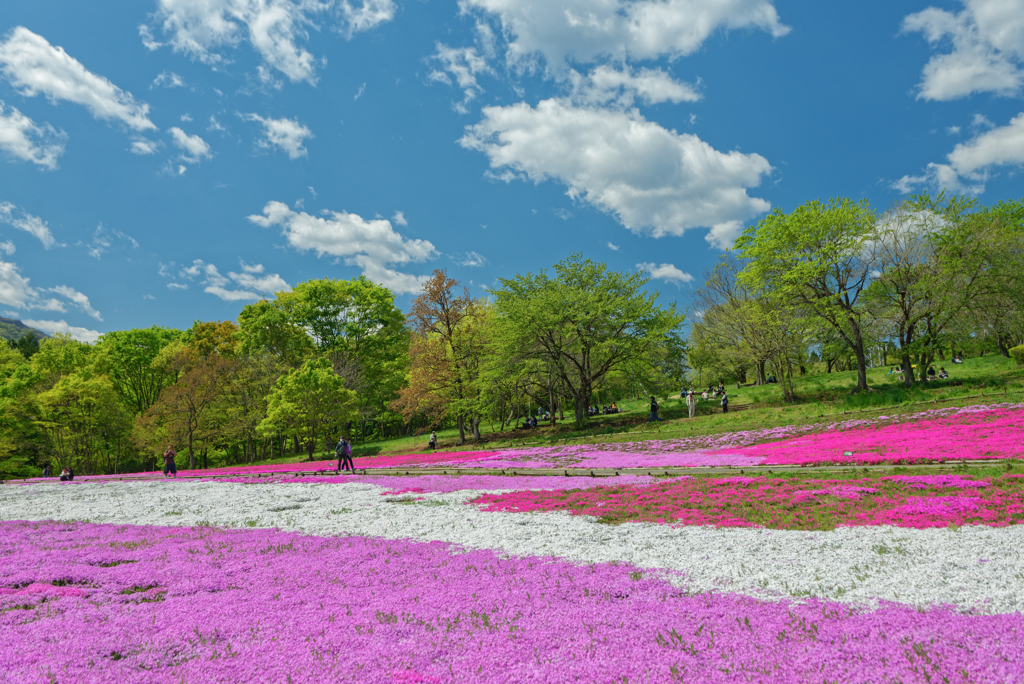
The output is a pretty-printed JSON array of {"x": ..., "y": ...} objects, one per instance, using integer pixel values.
[{"x": 207, "y": 605}]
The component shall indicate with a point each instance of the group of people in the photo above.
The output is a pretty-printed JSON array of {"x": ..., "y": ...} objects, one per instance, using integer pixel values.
[
  {"x": 603, "y": 410},
  {"x": 930, "y": 375},
  {"x": 711, "y": 392}
]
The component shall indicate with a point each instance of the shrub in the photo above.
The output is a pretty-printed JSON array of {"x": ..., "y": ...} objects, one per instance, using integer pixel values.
[{"x": 1018, "y": 354}]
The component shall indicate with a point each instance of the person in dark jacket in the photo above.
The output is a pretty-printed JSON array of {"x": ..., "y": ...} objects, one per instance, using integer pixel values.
[
  {"x": 725, "y": 402},
  {"x": 654, "y": 411},
  {"x": 170, "y": 468},
  {"x": 344, "y": 451},
  {"x": 432, "y": 444}
]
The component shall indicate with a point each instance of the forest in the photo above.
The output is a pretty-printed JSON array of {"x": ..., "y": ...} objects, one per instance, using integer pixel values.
[{"x": 828, "y": 286}]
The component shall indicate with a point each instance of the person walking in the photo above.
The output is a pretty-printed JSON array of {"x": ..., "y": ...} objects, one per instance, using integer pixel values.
[
  {"x": 345, "y": 455},
  {"x": 691, "y": 403},
  {"x": 432, "y": 444},
  {"x": 654, "y": 411},
  {"x": 725, "y": 402},
  {"x": 169, "y": 466}
]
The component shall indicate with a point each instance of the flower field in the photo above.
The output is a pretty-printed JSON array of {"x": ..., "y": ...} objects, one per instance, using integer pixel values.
[
  {"x": 128, "y": 603},
  {"x": 478, "y": 578}
]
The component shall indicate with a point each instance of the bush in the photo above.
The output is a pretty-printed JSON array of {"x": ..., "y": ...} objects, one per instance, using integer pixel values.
[{"x": 1018, "y": 354}]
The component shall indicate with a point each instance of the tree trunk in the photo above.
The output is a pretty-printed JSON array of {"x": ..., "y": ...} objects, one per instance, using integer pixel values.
[
  {"x": 759, "y": 378},
  {"x": 461, "y": 422},
  {"x": 1001, "y": 343},
  {"x": 908, "y": 372},
  {"x": 476, "y": 427}
]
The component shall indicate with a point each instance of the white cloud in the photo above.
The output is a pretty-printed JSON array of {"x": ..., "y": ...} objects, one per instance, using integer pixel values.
[
  {"x": 35, "y": 67},
  {"x": 21, "y": 138},
  {"x": 371, "y": 245},
  {"x": 367, "y": 15},
  {"x": 583, "y": 31},
  {"x": 193, "y": 148},
  {"x": 249, "y": 281},
  {"x": 22, "y": 220},
  {"x": 614, "y": 248},
  {"x": 186, "y": 118},
  {"x": 465, "y": 64},
  {"x": 987, "y": 54},
  {"x": 651, "y": 179},
  {"x": 205, "y": 29},
  {"x": 970, "y": 163},
  {"x": 7, "y": 247},
  {"x": 15, "y": 291},
  {"x": 145, "y": 146},
  {"x": 78, "y": 299},
  {"x": 215, "y": 125},
  {"x": 168, "y": 79},
  {"x": 666, "y": 272},
  {"x": 359, "y": 93},
  {"x": 606, "y": 84},
  {"x": 953, "y": 130},
  {"x": 61, "y": 326},
  {"x": 981, "y": 121},
  {"x": 723, "y": 235},
  {"x": 103, "y": 240},
  {"x": 201, "y": 28},
  {"x": 398, "y": 218},
  {"x": 473, "y": 259},
  {"x": 285, "y": 134}
]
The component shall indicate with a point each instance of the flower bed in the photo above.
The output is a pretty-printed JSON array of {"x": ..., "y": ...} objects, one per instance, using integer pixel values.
[
  {"x": 443, "y": 484},
  {"x": 133, "y": 604},
  {"x": 902, "y": 501}
]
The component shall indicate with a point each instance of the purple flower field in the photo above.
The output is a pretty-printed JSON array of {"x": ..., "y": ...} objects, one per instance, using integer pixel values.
[{"x": 104, "y": 603}]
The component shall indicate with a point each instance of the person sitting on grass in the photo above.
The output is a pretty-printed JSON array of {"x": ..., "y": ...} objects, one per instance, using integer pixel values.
[
  {"x": 64, "y": 475},
  {"x": 942, "y": 373},
  {"x": 931, "y": 372}
]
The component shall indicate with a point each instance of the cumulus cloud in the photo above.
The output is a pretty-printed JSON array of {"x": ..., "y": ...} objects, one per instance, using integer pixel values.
[
  {"x": 168, "y": 79},
  {"x": 35, "y": 67},
  {"x": 15, "y": 291},
  {"x": 583, "y": 31},
  {"x": 366, "y": 15},
  {"x": 398, "y": 218},
  {"x": 613, "y": 247},
  {"x": 145, "y": 146},
  {"x": 464, "y": 64},
  {"x": 193, "y": 148},
  {"x": 651, "y": 179},
  {"x": 206, "y": 29},
  {"x": 987, "y": 54},
  {"x": 284, "y": 134},
  {"x": 971, "y": 163},
  {"x": 61, "y": 326},
  {"x": 666, "y": 272},
  {"x": 23, "y": 139},
  {"x": 249, "y": 285},
  {"x": 607, "y": 84},
  {"x": 370, "y": 244},
  {"x": 22, "y": 220},
  {"x": 78, "y": 299}
]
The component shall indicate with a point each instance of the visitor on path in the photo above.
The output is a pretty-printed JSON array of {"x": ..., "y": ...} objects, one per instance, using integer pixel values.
[
  {"x": 344, "y": 451},
  {"x": 654, "y": 411},
  {"x": 691, "y": 403},
  {"x": 64, "y": 475},
  {"x": 725, "y": 402},
  {"x": 169, "y": 466},
  {"x": 432, "y": 444}
]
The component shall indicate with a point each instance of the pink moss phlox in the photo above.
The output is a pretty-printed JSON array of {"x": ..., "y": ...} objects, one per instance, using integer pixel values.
[
  {"x": 208, "y": 605},
  {"x": 781, "y": 503}
]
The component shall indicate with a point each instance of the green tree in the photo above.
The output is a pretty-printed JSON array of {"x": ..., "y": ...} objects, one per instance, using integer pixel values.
[
  {"x": 819, "y": 258},
  {"x": 584, "y": 323},
  {"x": 312, "y": 401},
  {"x": 128, "y": 360}
]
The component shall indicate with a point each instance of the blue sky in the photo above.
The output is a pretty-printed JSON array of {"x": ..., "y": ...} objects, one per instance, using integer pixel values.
[{"x": 172, "y": 160}]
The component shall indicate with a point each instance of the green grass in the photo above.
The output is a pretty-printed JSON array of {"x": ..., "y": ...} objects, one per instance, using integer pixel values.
[{"x": 821, "y": 397}]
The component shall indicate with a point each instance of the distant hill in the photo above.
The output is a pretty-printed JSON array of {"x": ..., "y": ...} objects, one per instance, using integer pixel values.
[{"x": 12, "y": 329}]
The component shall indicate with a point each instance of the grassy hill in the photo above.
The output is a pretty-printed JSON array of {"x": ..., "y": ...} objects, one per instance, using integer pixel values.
[
  {"x": 821, "y": 398},
  {"x": 13, "y": 329}
]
